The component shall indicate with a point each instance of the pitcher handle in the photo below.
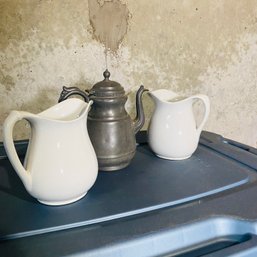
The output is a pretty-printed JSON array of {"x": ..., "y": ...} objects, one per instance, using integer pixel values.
[
  {"x": 206, "y": 101},
  {"x": 8, "y": 127}
]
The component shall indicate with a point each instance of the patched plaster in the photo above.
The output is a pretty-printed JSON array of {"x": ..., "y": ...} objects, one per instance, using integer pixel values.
[{"x": 109, "y": 21}]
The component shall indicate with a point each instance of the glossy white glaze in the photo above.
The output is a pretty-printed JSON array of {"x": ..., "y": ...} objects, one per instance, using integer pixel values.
[
  {"x": 60, "y": 164},
  {"x": 172, "y": 132}
]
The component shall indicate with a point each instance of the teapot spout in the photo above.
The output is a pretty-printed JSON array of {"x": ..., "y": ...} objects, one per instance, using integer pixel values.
[{"x": 140, "y": 116}]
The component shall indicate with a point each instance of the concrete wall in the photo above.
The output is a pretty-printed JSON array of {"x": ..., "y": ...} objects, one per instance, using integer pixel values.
[{"x": 189, "y": 46}]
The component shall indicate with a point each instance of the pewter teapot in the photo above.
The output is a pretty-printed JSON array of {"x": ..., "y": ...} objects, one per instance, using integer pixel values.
[{"x": 110, "y": 128}]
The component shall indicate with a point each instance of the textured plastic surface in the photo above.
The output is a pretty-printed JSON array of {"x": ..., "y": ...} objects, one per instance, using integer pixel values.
[{"x": 202, "y": 206}]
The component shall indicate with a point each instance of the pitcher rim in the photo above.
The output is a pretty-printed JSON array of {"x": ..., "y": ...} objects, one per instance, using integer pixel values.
[
  {"x": 85, "y": 111},
  {"x": 166, "y": 101}
]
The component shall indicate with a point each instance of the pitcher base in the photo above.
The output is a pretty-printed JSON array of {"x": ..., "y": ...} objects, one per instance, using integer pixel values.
[
  {"x": 62, "y": 202},
  {"x": 174, "y": 158}
]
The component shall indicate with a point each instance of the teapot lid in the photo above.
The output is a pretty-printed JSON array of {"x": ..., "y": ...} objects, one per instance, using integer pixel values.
[{"x": 107, "y": 88}]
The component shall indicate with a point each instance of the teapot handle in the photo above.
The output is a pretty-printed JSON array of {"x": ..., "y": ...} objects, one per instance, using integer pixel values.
[
  {"x": 8, "y": 126},
  {"x": 69, "y": 91},
  {"x": 205, "y": 99}
]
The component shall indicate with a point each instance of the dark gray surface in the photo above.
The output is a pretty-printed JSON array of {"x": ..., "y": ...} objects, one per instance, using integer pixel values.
[{"x": 155, "y": 216}]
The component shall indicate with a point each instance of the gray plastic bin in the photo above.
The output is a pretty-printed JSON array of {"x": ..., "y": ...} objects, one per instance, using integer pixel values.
[{"x": 203, "y": 206}]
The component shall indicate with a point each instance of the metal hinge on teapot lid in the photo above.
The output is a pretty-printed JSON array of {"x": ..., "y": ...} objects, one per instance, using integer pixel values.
[{"x": 107, "y": 88}]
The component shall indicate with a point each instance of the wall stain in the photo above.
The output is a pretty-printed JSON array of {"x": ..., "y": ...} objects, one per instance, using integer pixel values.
[
  {"x": 109, "y": 21},
  {"x": 10, "y": 23},
  {"x": 7, "y": 81}
]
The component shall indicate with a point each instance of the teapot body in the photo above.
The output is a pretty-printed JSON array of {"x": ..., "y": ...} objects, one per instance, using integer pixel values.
[
  {"x": 60, "y": 164},
  {"x": 110, "y": 128},
  {"x": 112, "y": 132},
  {"x": 173, "y": 133}
]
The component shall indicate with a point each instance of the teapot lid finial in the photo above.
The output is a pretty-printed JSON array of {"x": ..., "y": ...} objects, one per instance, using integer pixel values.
[
  {"x": 107, "y": 88},
  {"x": 106, "y": 74}
]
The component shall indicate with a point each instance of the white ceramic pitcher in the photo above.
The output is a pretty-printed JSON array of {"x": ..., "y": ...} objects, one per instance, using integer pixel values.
[
  {"x": 60, "y": 164},
  {"x": 173, "y": 133}
]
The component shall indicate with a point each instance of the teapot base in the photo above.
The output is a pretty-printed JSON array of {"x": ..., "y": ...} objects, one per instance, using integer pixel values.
[
  {"x": 56, "y": 203},
  {"x": 114, "y": 168},
  {"x": 174, "y": 158},
  {"x": 117, "y": 162}
]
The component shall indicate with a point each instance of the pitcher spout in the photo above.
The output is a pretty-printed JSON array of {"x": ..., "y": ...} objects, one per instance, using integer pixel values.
[
  {"x": 68, "y": 110},
  {"x": 162, "y": 95},
  {"x": 140, "y": 116}
]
